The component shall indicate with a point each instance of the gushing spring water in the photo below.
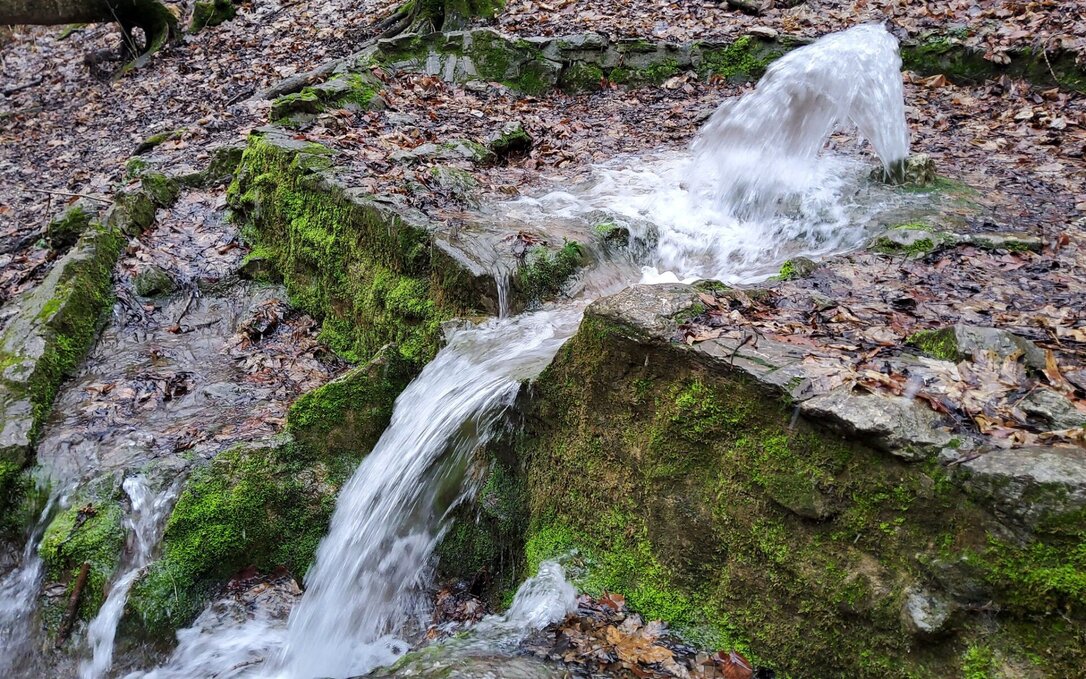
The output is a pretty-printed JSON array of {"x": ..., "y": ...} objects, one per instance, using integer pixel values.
[
  {"x": 390, "y": 515},
  {"x": 758, "y": 151},
  {"x": 756, "y": 188},
  {"x": 144, "y": 524},
  {"x": 753, "y": 188}
]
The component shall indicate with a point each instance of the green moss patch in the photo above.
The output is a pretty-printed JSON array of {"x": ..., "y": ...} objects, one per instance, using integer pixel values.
[
  {"x": 90, "y": 531},
  {"x": 251, "y": 506},
  {"x": 349, "y": 413},
  {"x": 941, "y": 344},
  {"x": 695, "y": 493},
  {"x": 545, "y": 271},
  {"x": 355, "y": 264}
]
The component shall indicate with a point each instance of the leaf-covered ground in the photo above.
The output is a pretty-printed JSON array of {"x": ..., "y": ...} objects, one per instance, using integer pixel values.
[{"x": 1020, "y": 147}]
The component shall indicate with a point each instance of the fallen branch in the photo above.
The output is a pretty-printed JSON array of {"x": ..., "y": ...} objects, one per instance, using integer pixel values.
[
  {"x": 25, "y": 86},
  {"x": 73, "y": 195},
  {"x": 73, "y": 605}
]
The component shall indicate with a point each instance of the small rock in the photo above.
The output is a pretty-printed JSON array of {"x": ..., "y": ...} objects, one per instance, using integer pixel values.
[
  {"x": 454, "y": 180},
  {"x": 511, "y": 141},
  {"x": 960, "y": 342},
  {"x": 1053, "y": 409},
  {"x": 763, "y": 32},
  {"x": 926, "y": 614},
  {"x": 68, "y": 226},
  {"x": 153, "y": 281},
  {"x": 900, "y": 426},
  {"x": 1002, "y": 241}
]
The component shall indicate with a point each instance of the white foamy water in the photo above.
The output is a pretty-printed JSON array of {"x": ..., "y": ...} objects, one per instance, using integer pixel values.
[
  {"x": 754, "y": 189},
  {"x": 543, "y": 599},
  {"x": 144, "y": 525}
]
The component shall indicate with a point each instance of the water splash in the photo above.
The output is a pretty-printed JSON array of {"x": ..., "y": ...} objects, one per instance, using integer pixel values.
[
  {"x": 144, "y": 524},
  {"x": 756, "y": 188},
  {"x": 377, "y": 555},
  {"x": 544, "y": 599}
]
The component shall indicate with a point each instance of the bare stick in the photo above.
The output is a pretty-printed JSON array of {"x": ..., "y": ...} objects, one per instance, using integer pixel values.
[{"x": 73, "y": 604}]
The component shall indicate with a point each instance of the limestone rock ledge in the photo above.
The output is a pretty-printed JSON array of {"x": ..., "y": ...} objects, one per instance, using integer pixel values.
[{"x": 824, "y": 534}]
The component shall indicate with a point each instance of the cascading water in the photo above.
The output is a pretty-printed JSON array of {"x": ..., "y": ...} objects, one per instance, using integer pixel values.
[
  {"x": 753, "y": 187},
  {"x": 144, "y": 524},
  {"x": 18, "y": 590},
  {"x": 390, "y": 515}
]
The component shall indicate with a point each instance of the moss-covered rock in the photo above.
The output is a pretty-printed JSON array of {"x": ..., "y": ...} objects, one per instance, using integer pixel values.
[
  {"x": 211, "y": 13},
  {"x": 55, "y": 326},
  {"x": 691, "y": 488},
  {"x": 353, "y": 262},
  {"x": 65, "y": 229},
  {"x": 511, "y": 141},
  {"x": 948, "y": 54},
  {"x": 152, "y": 281},
  {"x": 89, "y": 531},
  {"x": 162, "y": 190},
  {"x": 545, "y": 270},
  {"x": 254, "y": 505},
  {"x": 348, "y": 414}
]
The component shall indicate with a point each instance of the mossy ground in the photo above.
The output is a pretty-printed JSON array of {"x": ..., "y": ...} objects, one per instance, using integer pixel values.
[
  {"x": 693, "y": 493},
  {"x": 251, "y": 506}
]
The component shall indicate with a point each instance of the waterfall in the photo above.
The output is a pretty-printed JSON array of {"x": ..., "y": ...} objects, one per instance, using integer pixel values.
[
  {"x": 144, "y": 523},
  {"x": 753, "y": 187},
  {"x": 389, "y": 517}
]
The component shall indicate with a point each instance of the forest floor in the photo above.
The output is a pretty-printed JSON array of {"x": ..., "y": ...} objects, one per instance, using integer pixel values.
[
  {"x": 65, "y": 129},
  {"x": 1022, "y": 149}
]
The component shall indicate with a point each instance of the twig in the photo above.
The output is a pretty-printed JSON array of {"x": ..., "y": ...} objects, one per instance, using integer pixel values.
[
  {"x": 184, "y": 311},
  {"x": 73, "y": 604},
  {"x": 65, "y": 193},
  {"x": 19, "y": 88},
  {"x": 1044, "y": 53}
]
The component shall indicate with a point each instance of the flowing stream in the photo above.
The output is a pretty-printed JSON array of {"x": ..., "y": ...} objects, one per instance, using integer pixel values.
[
  {"x": 18, "y": 590},
  {"x": 754, "y": 188},
  {"x": 144, "y": 523}
]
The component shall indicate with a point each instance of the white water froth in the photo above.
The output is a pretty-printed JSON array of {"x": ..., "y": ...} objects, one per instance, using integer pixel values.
[
  {"x": 144, "y": 524},
  {"x": 755, "y": 187},
  {"x": 543, "y": 599},
  {"x": 18, "y": 591}
]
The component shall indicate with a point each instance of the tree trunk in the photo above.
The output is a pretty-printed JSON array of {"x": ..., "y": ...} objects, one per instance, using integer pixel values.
[{"x": 156, "y": 20}]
